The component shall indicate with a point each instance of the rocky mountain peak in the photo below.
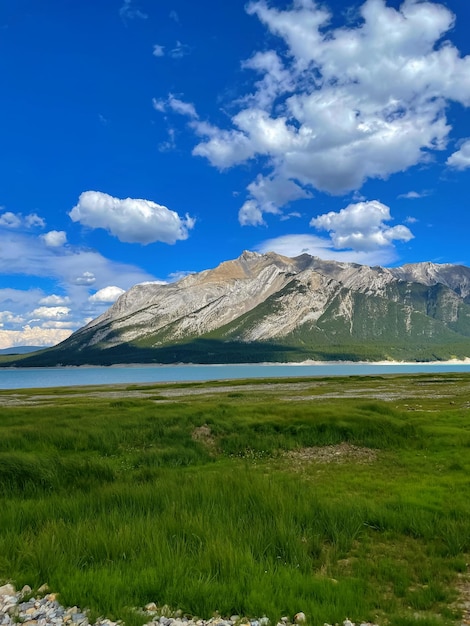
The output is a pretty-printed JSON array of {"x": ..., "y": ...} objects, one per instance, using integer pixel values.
[{"x": 305, "y": 305}]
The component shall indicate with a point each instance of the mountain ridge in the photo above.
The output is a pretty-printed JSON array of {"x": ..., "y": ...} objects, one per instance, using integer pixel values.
[{"x": 272, "y": 307}]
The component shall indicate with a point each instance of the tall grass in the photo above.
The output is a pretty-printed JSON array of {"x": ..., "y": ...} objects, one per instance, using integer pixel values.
[{"x": 116, "y": 503}]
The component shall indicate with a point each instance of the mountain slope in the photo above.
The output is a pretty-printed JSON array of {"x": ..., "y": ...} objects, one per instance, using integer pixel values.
[{"x": 273, "y": 308}]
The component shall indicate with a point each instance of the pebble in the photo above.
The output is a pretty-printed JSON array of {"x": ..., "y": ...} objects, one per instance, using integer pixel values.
[{"x": 44, "y": 610}]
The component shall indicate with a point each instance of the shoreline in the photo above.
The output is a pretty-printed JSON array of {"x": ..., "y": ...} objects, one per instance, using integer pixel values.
[{"x": 306, "y": 363}]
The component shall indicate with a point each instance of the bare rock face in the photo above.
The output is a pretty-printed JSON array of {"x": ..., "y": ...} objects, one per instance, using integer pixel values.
[{"x": 301, "y": 300}]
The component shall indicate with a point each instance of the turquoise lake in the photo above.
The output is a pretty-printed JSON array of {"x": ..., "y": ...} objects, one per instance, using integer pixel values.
[{"x": 27, "y": 378}]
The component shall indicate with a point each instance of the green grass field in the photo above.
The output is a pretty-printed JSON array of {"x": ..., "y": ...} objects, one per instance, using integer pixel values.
[{"x": 336, "y": 497}]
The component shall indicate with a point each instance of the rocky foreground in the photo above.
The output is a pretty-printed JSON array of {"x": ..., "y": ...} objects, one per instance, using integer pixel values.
[{"x": 43, "y": 609}]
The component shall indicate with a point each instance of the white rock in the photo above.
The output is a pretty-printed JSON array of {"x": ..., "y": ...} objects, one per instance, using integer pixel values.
[{"x": 7, "y": 590}]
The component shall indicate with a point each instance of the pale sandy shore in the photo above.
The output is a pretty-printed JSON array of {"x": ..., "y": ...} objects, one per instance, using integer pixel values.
[{"x": 465, "y": 361}]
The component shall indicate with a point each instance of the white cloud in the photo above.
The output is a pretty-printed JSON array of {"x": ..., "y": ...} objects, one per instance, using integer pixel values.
[
  {"x": 55, "y": 324},
  {"x": 183, "y": 108},
  {"x": 17, "y": 220},
  {"x": 337, "y": 105},
  {"x": 294, "y": 245},
  {"x": 54, "y": 238},
  {"x": 250, "y": 214},
  {"x": 276, "y": 79},
  {"x": 7, "y": 317},
  {"x": 174, "y": 16},
  {"x": 107, "y": 294},
  {"x": 361, "y": 227},
  {"x": 268, "y": 194},
  {"x": 51, "y": 312},
  {"x": 54, "y": 300},
  {"x": 10, "y": 220},
  {"x": 33, "y": 219},
  {"x": 174, "y": 277},
  {"x": 87, "y": 278},
  {"x": 158, "y": 51},
  {"x": 224, "y": 148},
  {"x": 131, "y": 220},
  {"x": 413, "y": 195},
  {"x": 159, "y": 105},
  {"x": 32, "y": 336},
  {"x": 288, "y": 216},
  {"x": 274, "y": 192},
  {"x": 460, "y": 160}
]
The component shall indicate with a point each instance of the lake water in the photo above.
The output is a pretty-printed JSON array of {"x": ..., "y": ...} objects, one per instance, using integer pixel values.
[{"x": 26, "y": 378}]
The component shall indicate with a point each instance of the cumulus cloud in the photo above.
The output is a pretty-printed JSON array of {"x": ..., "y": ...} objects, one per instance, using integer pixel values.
[
  {"x": 250, "y": 214},
  {"x": 32, "y": 336},
  {"x": 106, "y": 295},
  {"x": 33, "y": 219},
  {"x": 7, "y": 317},
  {"x": 361, "y": 227},
  {"x": 131, "y": 220},
  {"x": 87, "y": 278},
  {"x": 54, "y": 300},
  {"x": 337, "y": 105},
  {"x": 51, "y": 312},
  {"x": 358, "y": 233},
  {"x": 54, "y": 238},
  {"x": 460, "y": 160},
  {"x": 17, "y": 220},
  {"x": 10, "y": 220}
]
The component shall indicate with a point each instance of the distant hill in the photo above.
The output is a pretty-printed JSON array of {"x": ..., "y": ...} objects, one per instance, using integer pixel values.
[
  {"x": 267, "y": 307},
  {"x": 20, "y": 349}
]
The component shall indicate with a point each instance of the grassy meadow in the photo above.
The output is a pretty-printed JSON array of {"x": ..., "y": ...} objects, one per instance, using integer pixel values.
[{"x": 335, "y": 496}]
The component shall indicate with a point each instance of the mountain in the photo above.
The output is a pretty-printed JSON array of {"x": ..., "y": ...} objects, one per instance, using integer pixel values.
[{"x": 267, "y": 307}]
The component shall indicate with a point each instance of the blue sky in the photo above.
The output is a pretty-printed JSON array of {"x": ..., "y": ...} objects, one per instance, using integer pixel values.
[{"x": 145, "y": 139}]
